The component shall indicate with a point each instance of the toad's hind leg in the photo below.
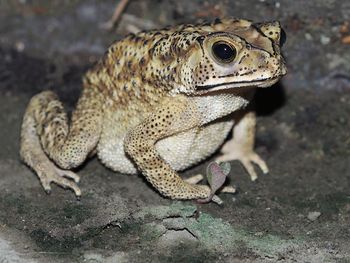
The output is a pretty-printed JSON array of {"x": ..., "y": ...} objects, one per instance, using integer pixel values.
[{"x": 47, "y": 140}]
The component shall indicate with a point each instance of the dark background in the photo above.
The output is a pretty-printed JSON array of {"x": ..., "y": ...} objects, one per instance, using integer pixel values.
[{"x": 300, "y": 212}]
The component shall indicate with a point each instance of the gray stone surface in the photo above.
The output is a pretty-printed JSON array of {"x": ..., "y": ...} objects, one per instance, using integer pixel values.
[{"x": 303, "y": 134}]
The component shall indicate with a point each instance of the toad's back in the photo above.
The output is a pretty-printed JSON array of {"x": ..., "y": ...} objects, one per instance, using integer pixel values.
[{"x": 143, "y": 67}]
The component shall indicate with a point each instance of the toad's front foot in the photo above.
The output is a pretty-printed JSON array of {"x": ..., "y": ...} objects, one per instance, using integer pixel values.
[
  {"x": 48, "y": 173},
  {"x": 216, "y": 199},
  {"x": 235, "y": 151}
]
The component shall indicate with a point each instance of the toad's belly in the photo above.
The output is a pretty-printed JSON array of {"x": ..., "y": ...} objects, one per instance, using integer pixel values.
[{"x": 180, "y": 151}]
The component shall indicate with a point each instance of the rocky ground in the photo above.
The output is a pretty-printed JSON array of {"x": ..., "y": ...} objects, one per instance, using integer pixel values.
[{"x": 299, "y": 212}]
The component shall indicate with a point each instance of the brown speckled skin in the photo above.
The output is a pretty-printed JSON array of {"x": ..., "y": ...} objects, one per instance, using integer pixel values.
[{"x": 158, "y": 102}]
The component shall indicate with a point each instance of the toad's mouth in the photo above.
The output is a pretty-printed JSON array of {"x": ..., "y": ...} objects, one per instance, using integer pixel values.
[{"x": 238, "y": 84}]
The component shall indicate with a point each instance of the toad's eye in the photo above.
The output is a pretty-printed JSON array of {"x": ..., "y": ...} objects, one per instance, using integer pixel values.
[{"x": 224, "y": 52}]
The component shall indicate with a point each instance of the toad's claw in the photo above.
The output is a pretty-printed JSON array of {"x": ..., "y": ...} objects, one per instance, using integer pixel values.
[
  {"x": 48, "y": 173},
  {"x": 246, "y": 159},
  {"x": 228, "y": 189},
  {"x": 217, "y": 200},
  {"x": 68, "y": 174}
]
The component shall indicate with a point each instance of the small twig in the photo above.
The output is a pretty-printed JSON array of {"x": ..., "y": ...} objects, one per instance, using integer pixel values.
[
  {"x": 118, "y": 11},
  {"x": 135, "y": 24}
]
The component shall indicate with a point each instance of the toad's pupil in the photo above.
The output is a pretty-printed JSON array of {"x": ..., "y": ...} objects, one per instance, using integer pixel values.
[{"x": 224, "y": 52}]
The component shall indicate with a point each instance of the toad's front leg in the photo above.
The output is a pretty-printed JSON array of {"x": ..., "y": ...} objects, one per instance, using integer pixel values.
[{"x": 175, "y": 114}]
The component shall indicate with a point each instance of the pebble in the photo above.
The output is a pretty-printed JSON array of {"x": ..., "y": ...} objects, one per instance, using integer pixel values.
[
  {"x": 346, "y": 40},
  {"x": 312, "y": 216},
  {"x": 325, "y": 40},
  {"x": 308, "y": 36},
  {"x": 19, "y": 46}
]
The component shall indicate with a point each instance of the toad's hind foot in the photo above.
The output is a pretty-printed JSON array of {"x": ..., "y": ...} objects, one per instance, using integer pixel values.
[{"x": 48, "y": 173}]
